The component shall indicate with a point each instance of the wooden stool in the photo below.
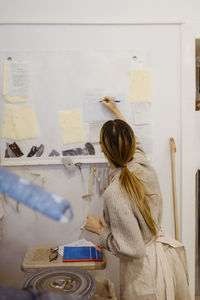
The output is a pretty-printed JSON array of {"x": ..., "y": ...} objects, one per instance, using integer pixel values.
[{"x": 37, "y": 258}]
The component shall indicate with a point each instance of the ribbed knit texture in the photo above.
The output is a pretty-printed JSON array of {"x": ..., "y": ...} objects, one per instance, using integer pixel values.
[{"x": 126, "y": 232}]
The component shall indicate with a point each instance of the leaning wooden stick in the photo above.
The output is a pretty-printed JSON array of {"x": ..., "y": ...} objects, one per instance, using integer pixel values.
[
  {"x": 173, "y": 151},
  {"x": 91, "y": 183}
]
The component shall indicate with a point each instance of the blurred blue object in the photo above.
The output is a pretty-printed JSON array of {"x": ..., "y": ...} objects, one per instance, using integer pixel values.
[{"x": 34, "y": 196}]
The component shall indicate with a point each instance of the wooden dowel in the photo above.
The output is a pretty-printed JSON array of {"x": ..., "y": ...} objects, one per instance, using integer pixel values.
[
  {"x": 91, "y": 183},
  {"x": 173, "y": 151}
]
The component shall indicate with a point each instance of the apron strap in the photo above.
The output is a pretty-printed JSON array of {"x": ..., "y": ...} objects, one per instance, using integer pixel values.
[{"x": 164, "y": 273}]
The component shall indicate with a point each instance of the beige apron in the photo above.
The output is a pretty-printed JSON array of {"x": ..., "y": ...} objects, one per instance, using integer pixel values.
[{"x": 161, "y": 275}]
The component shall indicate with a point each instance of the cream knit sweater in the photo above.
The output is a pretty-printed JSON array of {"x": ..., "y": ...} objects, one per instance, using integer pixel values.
[{"x": 125, "y": 231}]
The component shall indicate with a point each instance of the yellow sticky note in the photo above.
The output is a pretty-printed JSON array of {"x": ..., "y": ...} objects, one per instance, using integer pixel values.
[
  {"x": 140, "y": 86},
  {"x": 19, "y": 122},
  {"x": 12, "y": 99},
  {"x": 71, "y": 125}
]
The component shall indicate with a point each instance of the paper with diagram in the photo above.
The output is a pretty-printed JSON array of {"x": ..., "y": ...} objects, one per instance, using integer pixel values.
[{"x": 15, "y": 81}]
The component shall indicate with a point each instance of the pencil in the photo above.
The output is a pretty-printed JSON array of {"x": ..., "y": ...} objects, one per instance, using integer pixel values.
[{"x": 117, "y": 101}]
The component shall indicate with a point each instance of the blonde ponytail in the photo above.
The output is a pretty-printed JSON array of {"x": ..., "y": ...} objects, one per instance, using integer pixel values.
[
  {"x": 135, "y": 189},
  {"x": 118, "y": 144}
]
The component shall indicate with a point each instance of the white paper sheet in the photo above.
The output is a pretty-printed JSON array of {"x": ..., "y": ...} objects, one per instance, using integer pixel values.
[
  {"x": 136, "y": 63},
  {"x": 16, "y": 78},
  {"x": 141, "y": 113},
  {"x": 94, "y": 110},
  {"x": 94, "y": 131},
  {"x": 144, "y": 133},
  {"x": 143, "y": 130}
]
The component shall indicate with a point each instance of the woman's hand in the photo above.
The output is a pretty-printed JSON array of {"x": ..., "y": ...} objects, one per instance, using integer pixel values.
[
  {"x": 110, "y": 103},
  {"x": 93, "y": 224}
]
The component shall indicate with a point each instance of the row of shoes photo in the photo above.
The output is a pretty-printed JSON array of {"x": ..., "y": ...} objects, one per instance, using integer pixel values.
[
  {"x": 88, "y": 150},
  {"x": 13, "y": 150}
]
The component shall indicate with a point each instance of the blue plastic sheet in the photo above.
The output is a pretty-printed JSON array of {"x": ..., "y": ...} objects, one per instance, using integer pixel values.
[{"x": 34, "y": 196}]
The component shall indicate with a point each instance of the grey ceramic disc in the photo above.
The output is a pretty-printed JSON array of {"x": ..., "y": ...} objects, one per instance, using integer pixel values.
[{"x": 62, "y": 280}]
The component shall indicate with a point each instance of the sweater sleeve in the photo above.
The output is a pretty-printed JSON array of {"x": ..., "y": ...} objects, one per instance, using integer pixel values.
[{"x": 121, "y": 234}]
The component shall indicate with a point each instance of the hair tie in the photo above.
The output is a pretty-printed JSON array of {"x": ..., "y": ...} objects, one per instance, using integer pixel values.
[{"x": 124, "y": 166}]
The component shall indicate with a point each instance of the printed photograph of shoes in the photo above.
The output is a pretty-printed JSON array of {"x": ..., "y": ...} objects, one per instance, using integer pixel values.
[
  {"x": 71, "y": 152},
  {"x": 14, "y": 150},
  {"x": 6, "y": 153},
  {"x": 40, "y": 150},
  {"x": 54, "y": 153},
  {"x": 90, "y": 148},
  {"x": 32, "y": 151}
]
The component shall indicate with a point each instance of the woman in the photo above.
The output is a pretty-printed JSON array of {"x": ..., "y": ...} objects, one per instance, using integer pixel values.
[{"x": 152, "y": 264}]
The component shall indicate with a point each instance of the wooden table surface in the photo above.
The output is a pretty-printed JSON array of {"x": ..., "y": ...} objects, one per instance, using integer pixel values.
[{"x": 37, "y": 258}]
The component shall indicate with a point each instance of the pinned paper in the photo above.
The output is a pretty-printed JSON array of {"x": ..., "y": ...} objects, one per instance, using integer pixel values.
[
  {"x": 140, "y": 86},
  {"x": 142, "y": 113},
  {"x": 94, "y": 131},
  {"x": 145, "y": 135},
  {"x": 93, "y": 108},
  {"x": 15, "y": 81},
  {"x": 19, "y": 122},
  {"x": 71, "y": 125},
  {"x": 5, "y": 77}
]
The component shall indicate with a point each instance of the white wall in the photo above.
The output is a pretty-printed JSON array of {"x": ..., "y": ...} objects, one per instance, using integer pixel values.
[
  {"x": 63, "y": 10},
  {"x": 39, "y": 230},
  {"x": 190, "y": 142}
]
